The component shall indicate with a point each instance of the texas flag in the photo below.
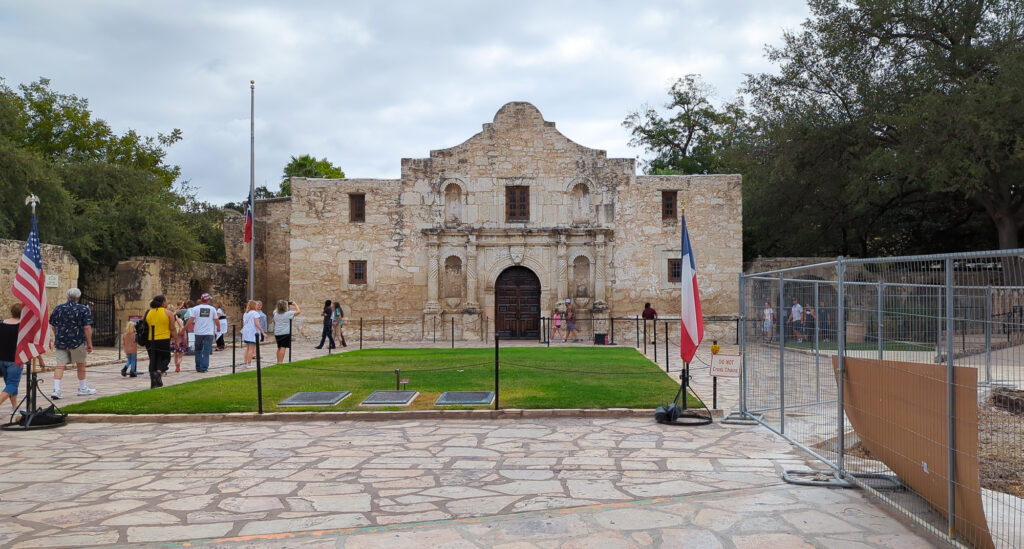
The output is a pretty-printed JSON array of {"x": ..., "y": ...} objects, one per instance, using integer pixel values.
[
  {"x": 691, "y": 330},
  {"x": 248, "y": 220}
]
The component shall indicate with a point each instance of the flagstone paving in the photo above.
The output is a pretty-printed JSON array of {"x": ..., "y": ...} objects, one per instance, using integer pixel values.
[{"x": 550, "y": 482}]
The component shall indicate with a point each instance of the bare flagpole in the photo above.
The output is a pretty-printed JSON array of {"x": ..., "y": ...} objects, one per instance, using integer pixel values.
[{"x": 252, "y": 186}]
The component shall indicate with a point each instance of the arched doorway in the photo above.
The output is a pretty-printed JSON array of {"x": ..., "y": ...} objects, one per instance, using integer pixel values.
[{"x": 517, "y": 304}]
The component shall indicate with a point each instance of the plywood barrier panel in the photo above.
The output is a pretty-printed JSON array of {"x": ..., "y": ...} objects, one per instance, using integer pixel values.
[{"x": 898, "y": 410}]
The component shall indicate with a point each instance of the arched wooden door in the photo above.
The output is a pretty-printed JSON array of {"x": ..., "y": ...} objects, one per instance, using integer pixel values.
[{"x": 517, "y": 304}]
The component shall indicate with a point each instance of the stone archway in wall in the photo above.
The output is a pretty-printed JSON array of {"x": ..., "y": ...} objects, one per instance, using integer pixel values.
[{"x": 517, "y": 304}]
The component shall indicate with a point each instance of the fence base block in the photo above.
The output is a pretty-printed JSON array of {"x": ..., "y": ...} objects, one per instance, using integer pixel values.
[{"x": 739, "y": 418}]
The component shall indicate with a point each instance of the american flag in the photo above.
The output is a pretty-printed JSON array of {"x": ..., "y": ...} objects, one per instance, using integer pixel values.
[
  {"x": 248, "y": 220},
  {"x": 30, "y": 287},
  {"x": 692, "y": 325}
]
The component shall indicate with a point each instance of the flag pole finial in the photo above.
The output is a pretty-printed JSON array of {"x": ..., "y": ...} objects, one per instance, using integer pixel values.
[
  {"x": 32, "y": 200},
  {"x": 682, "y": 206}
]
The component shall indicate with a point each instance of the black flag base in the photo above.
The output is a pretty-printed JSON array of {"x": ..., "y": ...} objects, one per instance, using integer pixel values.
[
  {"x": 33, "y": 417},
  {"x": 683, "y": 416}
]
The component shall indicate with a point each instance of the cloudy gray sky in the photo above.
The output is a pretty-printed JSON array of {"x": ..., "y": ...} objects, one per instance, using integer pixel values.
[{"x": 368, "y": 83}]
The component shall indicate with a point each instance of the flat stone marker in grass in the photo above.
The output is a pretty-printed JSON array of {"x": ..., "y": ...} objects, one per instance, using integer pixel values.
[
  {"x": 315, "y": 398},
  {"x": 465, "y": 398},
  {"x": 390, "y": 398}
]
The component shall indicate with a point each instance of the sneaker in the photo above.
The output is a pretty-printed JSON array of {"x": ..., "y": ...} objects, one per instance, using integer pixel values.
[
  {"x": 86, "y": 391},
  {"x": 124, "y": 371},
  {"x": 56, "y": 395}
]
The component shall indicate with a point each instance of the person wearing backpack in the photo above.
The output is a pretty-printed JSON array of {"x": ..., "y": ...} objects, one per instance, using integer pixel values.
[{"x": 161, "y": 327}]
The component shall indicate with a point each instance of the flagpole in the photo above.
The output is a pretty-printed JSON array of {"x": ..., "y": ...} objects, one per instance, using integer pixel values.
[{"x": 252, "y": 185}]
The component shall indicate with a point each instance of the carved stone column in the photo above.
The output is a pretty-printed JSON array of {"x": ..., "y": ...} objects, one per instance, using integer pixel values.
[
  {"x": 433, "y": 306},
  {"x": 471, "y": 280},
  {"x": 599, "y": 271},
  {"x": 563, "y": 270}
]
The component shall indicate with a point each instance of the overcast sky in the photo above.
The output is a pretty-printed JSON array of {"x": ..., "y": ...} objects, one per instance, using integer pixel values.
[{"x": 368, "y": 83}]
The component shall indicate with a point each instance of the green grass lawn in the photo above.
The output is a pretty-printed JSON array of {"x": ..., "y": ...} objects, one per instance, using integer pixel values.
[{"x": 568, "y": 377}]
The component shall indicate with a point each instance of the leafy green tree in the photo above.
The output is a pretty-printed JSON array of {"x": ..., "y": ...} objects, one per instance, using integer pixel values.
[
  {"x": 104, "y": 196},
  {"x": 692, "y": 138},
  {"x": 307, "y": 166},
  {"x": 896, "y": 112}
]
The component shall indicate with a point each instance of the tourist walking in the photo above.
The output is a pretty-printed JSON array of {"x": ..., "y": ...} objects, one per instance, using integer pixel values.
[
  {"x": 767, "y": 321},
  {"x": 262, "y": 320},
  {"x": 326, "y": 334},
  {"x": 222, "y": 328},
  {"x": 796, "y": 318},
  {"x": 339, "y": 321},
  {"x": 202, "y": 320},
  {"x": 179, "y": 343},
  {"x": 162, "y": 328},
  {"x": 570, "y": 322},
  {"x": 556, "y": 328},
  {"x": 650, "y": 314},
  {"x": 131, "y": 350},
  {"x": 11, "y": 372},
  {"x": 72, "y": 329},
  {"x": 251, "y": 332},
  {"x": 283, "y": 326}
]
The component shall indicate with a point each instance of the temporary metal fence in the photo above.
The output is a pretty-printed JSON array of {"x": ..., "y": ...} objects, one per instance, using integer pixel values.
[{"x": 904, "y": 377}]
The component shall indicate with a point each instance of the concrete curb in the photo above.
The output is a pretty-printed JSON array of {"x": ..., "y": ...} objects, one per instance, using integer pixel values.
[{"x": 399, "y": 415}]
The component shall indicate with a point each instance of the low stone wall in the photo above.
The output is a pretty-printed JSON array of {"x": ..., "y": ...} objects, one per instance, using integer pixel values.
[{"x": 56, "y": 263}]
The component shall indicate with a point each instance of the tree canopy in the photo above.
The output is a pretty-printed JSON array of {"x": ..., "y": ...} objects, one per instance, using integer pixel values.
[
  {"x": 103, "y": 196},
  {"x": 890, "y": 127},
  {"x": 307, "y": 166}
]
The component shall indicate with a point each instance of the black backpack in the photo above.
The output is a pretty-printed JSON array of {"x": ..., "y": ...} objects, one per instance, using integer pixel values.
[{"x": 141, "y": 331}]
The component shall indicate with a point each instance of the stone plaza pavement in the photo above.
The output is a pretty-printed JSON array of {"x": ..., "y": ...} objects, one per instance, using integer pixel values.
[{"x": 554, "y": 482}]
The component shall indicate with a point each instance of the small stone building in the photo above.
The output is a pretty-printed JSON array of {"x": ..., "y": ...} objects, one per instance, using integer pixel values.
[{"x": 495, "y": 233}]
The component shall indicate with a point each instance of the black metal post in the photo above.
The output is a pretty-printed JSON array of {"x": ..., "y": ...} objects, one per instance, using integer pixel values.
[
  {"x": 684, "y": 377},
  {"x": 433, "y": 324},
  {"x": 548, "y": 332},
  {"x": 291, "y": 337},
  {"x": 714, "y": 392},
  {"x": 383, "y": 329},
  {"x": 360, "y": 333},
  {"x": 645, "y": 336},
  {"x": 234, "y": 343},
  {"x": 453, "y": 332},
  {"x": 119, "y": 344},
  {"x": 667, "y": 359},
  {"x": 496, "y": 380},
  {"x": 398, "y": 375},
  {"x": 637, "y": 332},
  {"x": 259, "y": 376},
  {"x": 612, "y": 330},
  {"x": 654, "y": 340}
]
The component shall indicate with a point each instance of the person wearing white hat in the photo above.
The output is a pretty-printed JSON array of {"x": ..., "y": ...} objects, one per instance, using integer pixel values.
[{"x": 203, "y": 320}]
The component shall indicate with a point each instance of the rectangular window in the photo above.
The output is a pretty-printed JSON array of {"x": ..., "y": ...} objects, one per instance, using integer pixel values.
[
  {"x": 668, "y": 204},
  {"x": 675, "y": 270},
  {"x": 517, "y": 203},
  {"x": 357, "y": 272},
  {"x": 357, "y": 208}
]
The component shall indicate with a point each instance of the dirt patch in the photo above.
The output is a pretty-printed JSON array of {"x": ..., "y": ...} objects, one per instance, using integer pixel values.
[{"x": 1001, "y": 450}]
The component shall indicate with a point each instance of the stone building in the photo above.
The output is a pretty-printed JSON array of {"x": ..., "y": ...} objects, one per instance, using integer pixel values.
[{"x": 495, "y": 233}]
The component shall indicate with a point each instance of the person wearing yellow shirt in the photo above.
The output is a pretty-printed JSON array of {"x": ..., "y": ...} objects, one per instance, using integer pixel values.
[{"x": 162, "y": 329}]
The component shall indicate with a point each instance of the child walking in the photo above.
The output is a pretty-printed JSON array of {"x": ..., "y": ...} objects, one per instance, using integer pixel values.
[{"x": 131, "y": 350}]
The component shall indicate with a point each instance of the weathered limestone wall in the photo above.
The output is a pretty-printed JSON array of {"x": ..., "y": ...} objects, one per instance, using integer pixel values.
[
  {"x": 645, "y": 242},
  {"x": 56, "y": 262},
  {"x": 138, "y": 279},
  {"x": 436, "y": 240}
]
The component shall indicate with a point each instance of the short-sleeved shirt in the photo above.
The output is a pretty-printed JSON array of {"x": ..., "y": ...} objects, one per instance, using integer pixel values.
[
  {"x": 649, "y": 313},
  {"x": 69, "y": 320},
  {"x": 327, "y": 315},
  {"x": 263, "y": 320},
  {"x": 282, "y": 322},
  {"x": 796, "y": 313},
  {"x": 204, "y": 319}
]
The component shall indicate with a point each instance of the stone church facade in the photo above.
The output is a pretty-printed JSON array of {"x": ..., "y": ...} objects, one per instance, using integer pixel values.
[{"x": 491, "y": 235}]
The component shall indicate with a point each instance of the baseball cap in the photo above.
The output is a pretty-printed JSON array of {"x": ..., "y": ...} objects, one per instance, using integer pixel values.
[{"x": 205, "y": 297}]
